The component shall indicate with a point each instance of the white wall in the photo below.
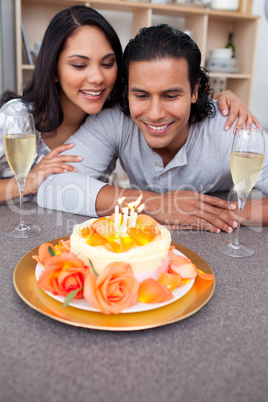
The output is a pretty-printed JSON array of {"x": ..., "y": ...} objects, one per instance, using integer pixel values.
[{"x": 259, "y": 104}]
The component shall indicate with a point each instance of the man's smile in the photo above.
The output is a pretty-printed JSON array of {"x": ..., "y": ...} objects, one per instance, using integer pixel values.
[{"x": 157, "y": 129}]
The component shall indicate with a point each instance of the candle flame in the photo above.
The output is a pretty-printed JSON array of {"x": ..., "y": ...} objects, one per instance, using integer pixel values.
[
  {"x": 131, "y": 205},
  {"x": 120, "y": 200},
  {"x": 134, "y": 204},
  {"x": 140, "y": 208}
]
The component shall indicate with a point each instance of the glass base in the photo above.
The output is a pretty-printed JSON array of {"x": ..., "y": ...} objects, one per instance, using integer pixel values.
[
  {"x": 22, "y": 231},
  {"x": 235, "y": 250}
]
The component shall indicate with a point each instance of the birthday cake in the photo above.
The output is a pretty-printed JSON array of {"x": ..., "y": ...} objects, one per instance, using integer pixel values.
[
  {"x": 144, "y": 246},
  {"x": 114, "y": 263}
]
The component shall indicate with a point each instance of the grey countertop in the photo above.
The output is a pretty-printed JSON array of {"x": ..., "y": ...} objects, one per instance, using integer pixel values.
[{"x": 218, "y": 354}]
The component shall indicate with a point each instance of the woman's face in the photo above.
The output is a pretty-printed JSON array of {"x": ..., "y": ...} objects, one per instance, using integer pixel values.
[{"x": 87, "y": 71}]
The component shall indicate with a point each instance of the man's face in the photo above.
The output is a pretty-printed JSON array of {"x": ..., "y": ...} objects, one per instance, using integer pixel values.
[{"x": 160, "y": 102}]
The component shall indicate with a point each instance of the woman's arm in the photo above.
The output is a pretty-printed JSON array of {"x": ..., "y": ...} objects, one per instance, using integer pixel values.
[
  {"x": 230, "y": 104},
  {"x": 53, "y": 162}
]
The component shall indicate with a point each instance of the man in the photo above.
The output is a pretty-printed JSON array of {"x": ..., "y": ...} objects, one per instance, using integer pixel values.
[{"x": 173, "y": 150}]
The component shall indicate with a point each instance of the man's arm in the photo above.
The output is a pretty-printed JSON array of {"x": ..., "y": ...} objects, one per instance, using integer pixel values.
[
  {"x": 86, "y": 193},
  {"x": 255, "y": 212},
  {"x": 176, "y": 209},
  {"x": 188, "y": 209}
]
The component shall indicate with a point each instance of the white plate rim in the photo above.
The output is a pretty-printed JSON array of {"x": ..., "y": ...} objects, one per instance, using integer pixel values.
[{"x": 82, "y": 304}]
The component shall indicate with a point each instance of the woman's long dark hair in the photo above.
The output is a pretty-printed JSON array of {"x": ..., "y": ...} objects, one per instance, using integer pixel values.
[
  {"x": 163, "y": 41},
  {"x": 43, "y": 91}
]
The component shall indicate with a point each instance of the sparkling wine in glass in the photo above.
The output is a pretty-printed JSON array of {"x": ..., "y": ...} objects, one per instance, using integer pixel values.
[
  {"x": 246, "y": 163},
  {"x": 20, "y": 146}
]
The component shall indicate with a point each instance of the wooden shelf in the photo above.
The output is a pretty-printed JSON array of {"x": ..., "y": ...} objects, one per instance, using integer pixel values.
[{"x": 210, "y": 30}]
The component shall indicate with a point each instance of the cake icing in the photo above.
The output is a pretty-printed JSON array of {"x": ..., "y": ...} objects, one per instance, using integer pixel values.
[{"x": 143, "y": 259}]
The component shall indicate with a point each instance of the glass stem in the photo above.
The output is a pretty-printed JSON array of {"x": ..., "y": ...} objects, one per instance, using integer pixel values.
[
  {"x": 21, "y": 184},
  {"x": 241, "y": 204}
]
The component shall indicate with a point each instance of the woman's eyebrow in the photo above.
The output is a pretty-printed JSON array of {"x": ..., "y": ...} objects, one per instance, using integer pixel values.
[
  {"x": 88, "y": 58},
  {"x": 78, "y": 55}
]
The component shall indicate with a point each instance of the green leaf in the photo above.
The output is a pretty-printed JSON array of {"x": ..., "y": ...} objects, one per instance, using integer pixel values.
[
  {"x": 51, "y": 252},
  {"x": 91, "y": 265},
  {"x": 70, "y": 296},
  {"x": 93, "y": 269}
]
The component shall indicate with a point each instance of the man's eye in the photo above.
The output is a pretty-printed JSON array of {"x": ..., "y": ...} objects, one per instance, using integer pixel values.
[{"x": 170, "y": 96}]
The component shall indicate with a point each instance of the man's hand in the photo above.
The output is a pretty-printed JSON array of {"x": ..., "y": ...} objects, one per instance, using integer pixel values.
[
  {"x": 230, "y": 104},
  {"x": 175, "y": 209},
  {"x": 191, "y": 210}
]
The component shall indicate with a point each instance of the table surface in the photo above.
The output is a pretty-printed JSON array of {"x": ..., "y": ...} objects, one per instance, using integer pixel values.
[{"x": 218, "y": 354}]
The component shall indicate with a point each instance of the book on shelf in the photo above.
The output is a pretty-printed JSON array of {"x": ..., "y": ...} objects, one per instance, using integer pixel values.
[{"x": 27, "y": 53}]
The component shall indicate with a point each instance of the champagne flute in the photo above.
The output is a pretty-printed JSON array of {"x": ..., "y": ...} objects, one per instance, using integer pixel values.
[
  {"x": 20, "y": 146},
  {"x": 246, "y": 163}
]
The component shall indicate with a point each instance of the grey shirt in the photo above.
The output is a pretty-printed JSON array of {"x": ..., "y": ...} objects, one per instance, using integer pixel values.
[{"x": 202, "y": 164}]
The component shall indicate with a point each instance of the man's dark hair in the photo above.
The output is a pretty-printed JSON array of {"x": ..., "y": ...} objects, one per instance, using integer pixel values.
[{"x": 161, "y": 42}]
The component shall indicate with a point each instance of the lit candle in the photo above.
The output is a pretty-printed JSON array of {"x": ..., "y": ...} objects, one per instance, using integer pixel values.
[
  {"x": 125, "y": 218},
  {"x": 116, "y": 213},
  {"x": 133, "y": 220},
  {"x": 116, "y": 220},
  {"x": 133, "y": 213},
  {"x": 117, "y": 216}
]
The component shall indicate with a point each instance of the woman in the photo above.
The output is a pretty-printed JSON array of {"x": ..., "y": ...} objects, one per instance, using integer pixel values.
[{"x": 76, "y": 75}]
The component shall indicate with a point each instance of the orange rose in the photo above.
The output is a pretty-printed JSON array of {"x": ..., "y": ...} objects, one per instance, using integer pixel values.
[
  {"x": 64, "y": 273},
  {"x": 114, "y": 290},
  {"x": 44, "y": 253},
  {"x": 64, "y": 245}
]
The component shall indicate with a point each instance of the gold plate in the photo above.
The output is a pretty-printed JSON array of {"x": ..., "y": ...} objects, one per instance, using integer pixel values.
[{"x": 29, "y": 291}]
